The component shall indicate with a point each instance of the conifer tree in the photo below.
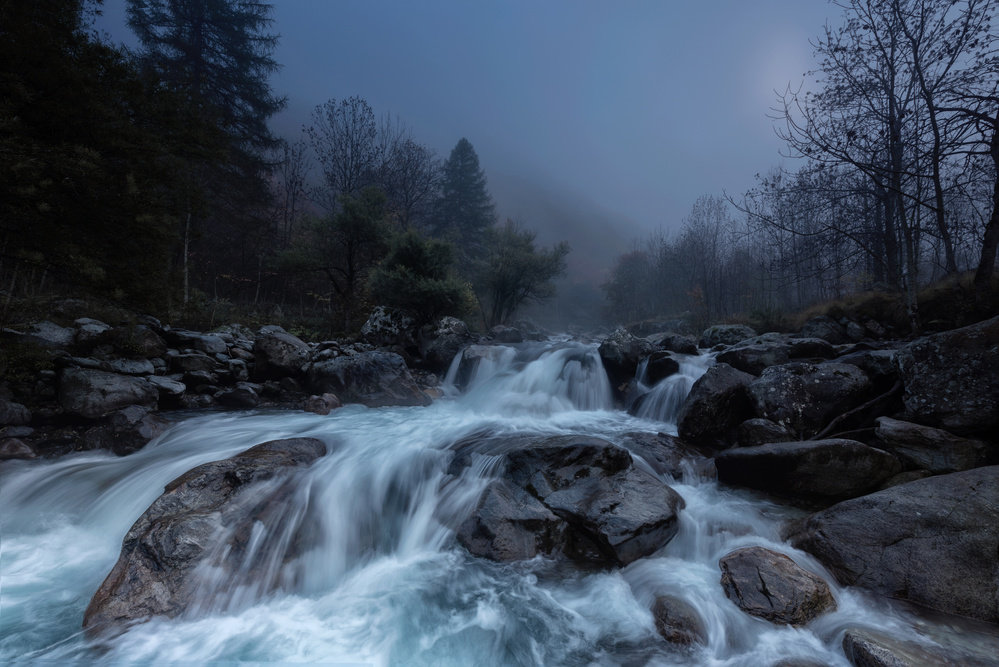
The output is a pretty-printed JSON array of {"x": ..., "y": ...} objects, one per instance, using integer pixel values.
[{"x": 465, "y": 209}]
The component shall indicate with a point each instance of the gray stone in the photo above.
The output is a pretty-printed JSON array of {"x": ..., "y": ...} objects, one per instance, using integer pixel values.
[
  {"x": 441, "y": 344},
  {"x": 188, "y": 363},
  {"x": 51, "y": 335},
  {"x": 374, "y": 379},
  {"x": 753, "y": 359},
  {"x": 934, "y": 542},
  {"x": 93, "y": 394},
  {"x": 672, "y": 342},
  {"x": 278, "y": 354},
  {"x": 725, "y": 334},
  {"x": 759, "y": 431},
  {"x": 677, "y": 621},
  {"x": 13, "y": 414},
  {"x": 322, "y": 405},
  {"x": 167, "y": 386},
  {"x": 770, "y": 585},
  {"x": 832, "y": 469},
  {"x": 660, "y": 366},
  {"x": 620, "y": 354},
  {"x": 826, "y": 328},
  {"x": 130, "y": 366},
  {"x": 123, "y": 431},
  {"x": 241, "y": 396},
  {"x": 930, "y": 448},
  {"x": 15, "y": 448},
  {"x": 716, "y": 404},
  {"x": 810, "y": 348}
]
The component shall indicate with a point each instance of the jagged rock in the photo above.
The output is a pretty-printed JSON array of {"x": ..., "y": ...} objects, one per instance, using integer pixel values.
[
  {"x": 15, "y": 448},
  {"x": 322, "y": 405},
  {"x": 205, "y": 511},
  {"x": 278, "y": 354},
  {"x": 934, "y": 542},
  {"x": 374, "y": 379},
  {"x": 387, "y": 327},
  {"x": 770, "y": 585},
  {"x": 832, "y": 469},
  {"x": 952, "y": 379},
  {"x": 717, "y": 403},
  {"x": 672, "y": 342},
  {"x": 570, "y": 496},
  {"x": 242, "y": 396},
  {"x": 93, "y": 394},
  {"x": 123, "y": 431},
  {"x": 660, "y": 366},
  {"x": 803, "y": 397},
  {"x": 13, "y": 414},
  {"x": 930, "y": 448},
  {"x": 725, "y": 334},
  {"x": 826, "y": 328},
  {"x": 621, "y": 353},
  {"x": 677, "y": 621},
  {"x": 759, "y": 431},
  {"x": 440, "y": 345},
  {"x": 753, "y": 359}
]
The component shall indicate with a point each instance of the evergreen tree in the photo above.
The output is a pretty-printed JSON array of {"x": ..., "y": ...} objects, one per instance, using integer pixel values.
[{"x": 465, "y": 209}]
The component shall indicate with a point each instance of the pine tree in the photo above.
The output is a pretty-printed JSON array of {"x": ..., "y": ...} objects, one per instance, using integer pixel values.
[{"x": 465, "y": 209}]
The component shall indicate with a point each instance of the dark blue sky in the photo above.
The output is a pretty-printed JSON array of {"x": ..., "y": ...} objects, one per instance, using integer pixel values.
[{"x": 597, "y": 119}]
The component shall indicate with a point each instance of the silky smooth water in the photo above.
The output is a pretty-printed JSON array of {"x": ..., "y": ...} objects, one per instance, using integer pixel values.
[{"x": 386, "y": 583}]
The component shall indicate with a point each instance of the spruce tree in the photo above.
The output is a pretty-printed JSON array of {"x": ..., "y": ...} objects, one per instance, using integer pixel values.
[{"x": 465, "y": 209}]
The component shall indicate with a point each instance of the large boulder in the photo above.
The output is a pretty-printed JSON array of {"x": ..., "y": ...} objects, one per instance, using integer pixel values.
[
  {"x": 826, "y": 328},
  {"x": 569, "y": 496},
  {"x": 770, "y": 585},
  {"x": 665, "y": 454},
  {"x": 753, "y": 359},
  {"x": 804, "y": 397},
  {"x": 92, "y": 394},
  {"x": 374, "y": 379},
  {"x": 716, "y": 404},
  {"x": 441, "y": 344},
  {"x": 387, "y": 327},
  {"x": 725, "y": 334},
  {"x": 621, "y": 353},
  {"x": 930, "y": 448},
  {"x": 123, "y": 431},
  {"x": 135, "y": 342},
  {"x": 195, "y": 340},
  {"x": 952, "y": 379},
  {"x": 278, "y": 354},
  {"x": 934, "y": 542},
  {"x": 207, "y": 511},
  {"x": 50, "y": 335},
  {"x": 833, "y": 469},
  {"x": 13, "y": 414},
  {"x": 672, "y": 342},
  {"x": 677, "y": 621}
]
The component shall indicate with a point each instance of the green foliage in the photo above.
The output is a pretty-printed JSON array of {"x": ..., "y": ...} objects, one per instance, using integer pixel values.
[
  {"x": 515, "y": 271},
  {"x": 417, "y": 277},
  {"x": 465, "y": 209}
]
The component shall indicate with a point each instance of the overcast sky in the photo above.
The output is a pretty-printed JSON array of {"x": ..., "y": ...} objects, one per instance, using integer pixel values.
[{"x": 621, "y": 113}]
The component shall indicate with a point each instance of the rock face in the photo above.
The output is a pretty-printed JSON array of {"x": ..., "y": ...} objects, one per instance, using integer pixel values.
[
  {"x": 803, "y": 397},
  {"x": 770, "y": 585},
  {"x": 930, "y": 448},
  {"x": 833, "y": 469},
  {"x": 570, "y": 496},
  {"x": 934, "y": 542},
  {"x": 725, "y": 334},
  {"x": 93, "y": 394},
  {"x": 374, "y": 379},
  {"x": 156, "y": 572},
  {"x": 278, "y": 354},
  {"x": 952, "y": 379},
  {"x": 717, "y": 403}
]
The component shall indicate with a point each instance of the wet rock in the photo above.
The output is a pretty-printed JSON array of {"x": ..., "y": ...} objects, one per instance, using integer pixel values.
[
  {"x": 759, "y": 431},
  {"x": 620, "y": 354},
  {"x": 826, "y": 328},
  {"x": 952, "y": 379},
  {"x": 242, "y": 397},
  {"x": 934, "y": 542},
  {"x": 717, "y": 403},
  {"x": 505, "y": 334},
  {"x": 93, "y": 394},
  {"x": 832, "y": 469},
  {"x": 206, "y": 511},
  {"x": 278, "y": 354},
  {"x": 673, "y": 342},
  {"x": 930, "y": 448},
  {"x": 13, "y": 414},
  {"x": 866, "y": 648},
  {"x": 374, "y": 379},
  {"x": 478, "y": 359},
  {"x": 15, "y": 448},
  {"x": 666, "y": 454},
  {"x": 803, "y": 397},
  {"x": 677, "y": 621},
  {"x": 770, "y": 585},
  {"x": 441, "y": 344},
  {"x": 725, "y": 334},
  {"x": 322, "y": 405},
  {"x": 123, "y": 431},
  {"x": 753, "y": 359},
  {"x": 570, "y": 496},
  {"x": 661, "y": 365}
]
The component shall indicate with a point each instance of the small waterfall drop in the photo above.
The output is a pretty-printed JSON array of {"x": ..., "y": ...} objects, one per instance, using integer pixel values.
[{"x": 662, "y": 401}]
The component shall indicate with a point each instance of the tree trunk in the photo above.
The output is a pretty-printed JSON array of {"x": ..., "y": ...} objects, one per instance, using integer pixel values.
[{"x": 990, "y": 241}]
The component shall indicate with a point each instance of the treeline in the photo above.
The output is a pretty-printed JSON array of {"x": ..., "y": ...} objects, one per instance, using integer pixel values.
[
  {"x": 899, "y": 148},
  {"x": 153, "y": 179}
]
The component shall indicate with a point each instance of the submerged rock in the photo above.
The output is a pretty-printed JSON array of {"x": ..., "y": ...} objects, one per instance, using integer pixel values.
[
  {"x": 677, "y": 621},
  {"x": 157, "y": 571},
  {"x": 621, "y": 353},
  {"x": 934, "y": 542},
  {"x": 570, "y": 496},
  {"x": 770, "y": 585}
]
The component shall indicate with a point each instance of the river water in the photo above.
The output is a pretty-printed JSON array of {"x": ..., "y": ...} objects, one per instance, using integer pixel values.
[{"x": 387, "y": 584}]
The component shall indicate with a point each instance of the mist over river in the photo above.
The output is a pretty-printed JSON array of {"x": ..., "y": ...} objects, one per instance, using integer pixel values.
[{"x": 386, "y": 582}]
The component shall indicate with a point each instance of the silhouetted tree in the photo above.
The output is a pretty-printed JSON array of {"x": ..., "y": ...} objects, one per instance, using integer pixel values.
[{"x": 465, "y": 209}]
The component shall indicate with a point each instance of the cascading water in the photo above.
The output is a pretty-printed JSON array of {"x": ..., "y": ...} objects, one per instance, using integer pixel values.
[
  {"x": 382, "y": 580},
  {"x": 661, "y": 401}
]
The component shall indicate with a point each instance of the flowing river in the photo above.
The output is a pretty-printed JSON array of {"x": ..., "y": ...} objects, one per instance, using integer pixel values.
[{"x": 386, "y": 583}]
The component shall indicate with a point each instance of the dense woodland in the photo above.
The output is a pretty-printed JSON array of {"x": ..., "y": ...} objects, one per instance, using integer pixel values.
[
  {"x": 896, "y": 144},
  {"x": 151, "y": 179}
]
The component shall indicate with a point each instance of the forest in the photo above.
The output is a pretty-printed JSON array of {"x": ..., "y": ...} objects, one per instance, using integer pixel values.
[{"x": 150, "y": 178}]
